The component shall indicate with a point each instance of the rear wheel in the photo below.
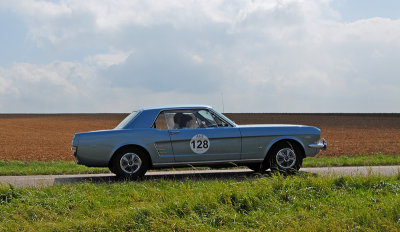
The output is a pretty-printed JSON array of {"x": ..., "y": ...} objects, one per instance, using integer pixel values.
[
  {"x": 129, "y": 163},
  {"x": 260, "y": 167},
  {"x": 285, "y": 157},
  {"x": 255, "y": 167}
]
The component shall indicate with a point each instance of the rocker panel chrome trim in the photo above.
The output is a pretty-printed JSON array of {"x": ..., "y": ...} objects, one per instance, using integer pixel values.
[{"x": 208, "y": 162}]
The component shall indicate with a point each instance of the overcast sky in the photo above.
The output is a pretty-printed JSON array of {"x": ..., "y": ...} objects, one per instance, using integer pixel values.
[{"x": 77, "y": 56}]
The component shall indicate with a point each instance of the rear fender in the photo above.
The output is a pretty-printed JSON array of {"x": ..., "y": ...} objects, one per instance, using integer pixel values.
[{"x": 116, "y": 148}]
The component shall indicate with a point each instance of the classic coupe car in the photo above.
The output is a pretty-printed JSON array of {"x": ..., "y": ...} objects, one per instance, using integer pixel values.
[{"x": 195, "y": 135}]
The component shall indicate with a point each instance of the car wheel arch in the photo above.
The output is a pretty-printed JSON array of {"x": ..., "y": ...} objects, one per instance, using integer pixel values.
[
  {"x": 292, "y": 141},
  {"x": 132, "y": 146}
]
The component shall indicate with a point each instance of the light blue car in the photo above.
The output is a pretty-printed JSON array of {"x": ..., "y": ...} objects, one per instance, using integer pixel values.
[{"x": 194, "y": 135}]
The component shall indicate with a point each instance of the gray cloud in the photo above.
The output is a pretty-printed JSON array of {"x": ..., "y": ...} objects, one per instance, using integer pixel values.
[
  {"x": 262, "y": 56},
  {"x": 169, "y": 59}
]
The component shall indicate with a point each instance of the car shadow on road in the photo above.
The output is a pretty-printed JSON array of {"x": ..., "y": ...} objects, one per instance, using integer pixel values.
[
  {"x": 91, "y": 179},
  {"x": 153, "y": 176}
]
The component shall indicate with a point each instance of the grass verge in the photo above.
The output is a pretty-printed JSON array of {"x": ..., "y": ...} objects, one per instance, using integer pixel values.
[
  {"x": 375, "y": 160},
  {"x": 19, "y": 168},
  {"x": 9, "y": 168},
  {"x": 298, "y": 203}
]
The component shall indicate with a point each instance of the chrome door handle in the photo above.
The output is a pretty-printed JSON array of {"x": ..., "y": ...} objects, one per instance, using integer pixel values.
[{"x": 174, "y": 132}]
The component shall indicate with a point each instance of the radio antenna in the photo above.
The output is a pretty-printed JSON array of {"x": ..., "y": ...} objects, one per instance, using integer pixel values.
[{"x": 222, "y": 99}]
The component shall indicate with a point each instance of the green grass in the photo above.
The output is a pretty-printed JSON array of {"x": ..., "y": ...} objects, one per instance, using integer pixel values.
[
  {"x": 375, "y": 160},
  {"x": 8, "y": 168},
  {"x": 18, "y": 168},
  {"x": 298, "y": 203}
]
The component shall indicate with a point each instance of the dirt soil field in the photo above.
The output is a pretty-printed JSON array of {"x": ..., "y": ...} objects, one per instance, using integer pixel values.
[{"x": 48, "y": 137}]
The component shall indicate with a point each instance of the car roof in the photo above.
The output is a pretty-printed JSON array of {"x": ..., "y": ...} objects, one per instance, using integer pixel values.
[
  {"x": 173, "y": 107},
  {"x": 144, "y": 117}
]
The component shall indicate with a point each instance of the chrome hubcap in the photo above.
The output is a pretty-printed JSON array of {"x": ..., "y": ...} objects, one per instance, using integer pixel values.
[
  {"x": 130, "y": 163},
  {"x": 286, "y": 158}
]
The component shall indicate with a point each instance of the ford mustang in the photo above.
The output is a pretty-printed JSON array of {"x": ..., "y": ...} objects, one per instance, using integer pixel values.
[{"x": 195, "y": 135}]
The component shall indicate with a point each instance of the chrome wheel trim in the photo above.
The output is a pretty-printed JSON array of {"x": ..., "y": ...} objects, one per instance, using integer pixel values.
[
  {"x": 285, "y": 158},
  {"x": 130, "y": 163}
]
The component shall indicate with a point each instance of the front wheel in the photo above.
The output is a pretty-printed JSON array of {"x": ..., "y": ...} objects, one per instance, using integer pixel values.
[
  {"x": 129, "y": 163},
  {"x": 286, "y": 158}
]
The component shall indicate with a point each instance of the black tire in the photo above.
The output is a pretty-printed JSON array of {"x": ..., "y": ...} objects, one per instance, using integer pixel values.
[
  {"x": 260, "y": 167},
  {"x": 255, "y": 167},
  {"x": 285, "y": 157},
  {"x": 129, "y": 163},
  {"x": 110, "y": 166}
]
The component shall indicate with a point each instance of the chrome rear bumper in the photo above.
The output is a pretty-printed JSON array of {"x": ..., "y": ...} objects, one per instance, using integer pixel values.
[
  {"x": 322, "y": 144},
  {"x": 74, "y": 151}
]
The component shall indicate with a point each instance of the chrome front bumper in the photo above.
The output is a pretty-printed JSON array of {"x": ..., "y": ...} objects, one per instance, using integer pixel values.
[{"x": 322, "y": 144}]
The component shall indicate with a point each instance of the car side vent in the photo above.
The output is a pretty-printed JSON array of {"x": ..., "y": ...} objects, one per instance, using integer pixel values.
[{"x": 161, "y": 149}]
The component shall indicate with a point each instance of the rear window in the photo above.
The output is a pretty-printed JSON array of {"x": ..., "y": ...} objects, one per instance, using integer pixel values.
[
  {"x": 127, "y": 120},
  {"x": 160, "y": 122}
]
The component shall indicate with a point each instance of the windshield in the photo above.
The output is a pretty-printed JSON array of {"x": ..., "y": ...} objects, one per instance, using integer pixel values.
[
  {"x": 232, "y": 123},
  {"x": 125, "y": 122}
]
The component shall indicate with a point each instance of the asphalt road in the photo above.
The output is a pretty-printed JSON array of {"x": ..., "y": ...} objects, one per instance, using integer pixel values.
[{"x": 238, "y": 174}]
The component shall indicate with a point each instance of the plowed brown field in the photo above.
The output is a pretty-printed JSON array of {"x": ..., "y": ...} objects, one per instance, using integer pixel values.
[{"x": 48, "y": 137}]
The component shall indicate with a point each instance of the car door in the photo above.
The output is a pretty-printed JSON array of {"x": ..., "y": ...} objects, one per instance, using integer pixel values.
[
  {"x": 196, "y": 137},
  {"x": 162, "y": 141}
]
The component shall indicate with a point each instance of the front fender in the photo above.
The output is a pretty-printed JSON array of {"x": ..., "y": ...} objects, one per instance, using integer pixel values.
[{"x": 280, "y": 139}]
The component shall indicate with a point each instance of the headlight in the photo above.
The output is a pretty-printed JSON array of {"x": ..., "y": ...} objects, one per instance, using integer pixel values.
[{"x": 73, "y": 149}]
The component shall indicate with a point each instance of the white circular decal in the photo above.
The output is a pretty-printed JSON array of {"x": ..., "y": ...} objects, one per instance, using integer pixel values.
[{"x": 199, "y": 144}]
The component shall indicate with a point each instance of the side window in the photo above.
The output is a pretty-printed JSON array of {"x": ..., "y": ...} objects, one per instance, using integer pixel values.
[
  {"x": 190, "y": 119},
  {"x": 205, "y": 119},
  {"x": 160, "y": 122},
  {"x": 183, "y": 119}
]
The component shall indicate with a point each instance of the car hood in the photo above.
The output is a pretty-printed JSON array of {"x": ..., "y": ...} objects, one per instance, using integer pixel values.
[
  {"x": 276, "y": 129},
  {"x": 269, "y": 125}
]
